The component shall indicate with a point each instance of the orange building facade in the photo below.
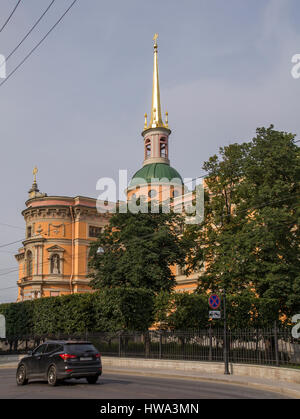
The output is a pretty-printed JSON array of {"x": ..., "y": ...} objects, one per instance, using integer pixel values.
[{"x": 54, "y": 257}]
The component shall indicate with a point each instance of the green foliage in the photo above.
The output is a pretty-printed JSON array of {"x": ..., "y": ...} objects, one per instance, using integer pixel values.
[
  {"x": 189, "y": 311},
  {"x": 18, "y": 317},
  {"x": 64, "y": 314},
  {"x": 250, "y": 236},
  {"x": 117, "y": 309},
  {"x": 106, "y": 310},
  {"x": 139, "y": 250},
  {"x": 162, "y": 308}
]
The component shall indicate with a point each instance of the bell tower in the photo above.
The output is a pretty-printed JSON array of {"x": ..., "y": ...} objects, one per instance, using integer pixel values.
[
  {"x": 156, "y": 179},
  {"x": 156, "y": 133}
]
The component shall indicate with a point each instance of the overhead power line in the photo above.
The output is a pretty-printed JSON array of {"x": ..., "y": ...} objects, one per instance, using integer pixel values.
[
  {"x": 12, "y": 226},
  {"x": 8, "y": 244},
  {"x": 10, "y": 16},
  {"x": 38, "y": 44},
  {"x": 28, "y": 33}
]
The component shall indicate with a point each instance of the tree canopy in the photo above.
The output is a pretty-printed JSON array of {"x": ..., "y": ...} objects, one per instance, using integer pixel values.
[
  {"x": 249, "y": 239},
  {"x": 138, "y": 251}
]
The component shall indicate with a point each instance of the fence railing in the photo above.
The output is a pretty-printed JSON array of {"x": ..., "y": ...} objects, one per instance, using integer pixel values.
[{"x": 264, "y": 347}]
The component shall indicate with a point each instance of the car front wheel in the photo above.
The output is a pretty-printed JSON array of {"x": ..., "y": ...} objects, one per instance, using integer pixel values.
[
  {"x": 52, "y": 376},
  {"x": 21, "y": 376}
]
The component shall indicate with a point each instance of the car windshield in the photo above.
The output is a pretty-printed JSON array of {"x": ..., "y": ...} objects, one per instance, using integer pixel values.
[{"x": 80, "y": 347}]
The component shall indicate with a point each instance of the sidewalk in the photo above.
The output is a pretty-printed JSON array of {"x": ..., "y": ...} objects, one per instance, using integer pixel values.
[{"x": 284, "y": 388}]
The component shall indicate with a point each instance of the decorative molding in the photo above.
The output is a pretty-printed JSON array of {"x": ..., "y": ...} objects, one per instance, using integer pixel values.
[{"x": 56, "y": 229}]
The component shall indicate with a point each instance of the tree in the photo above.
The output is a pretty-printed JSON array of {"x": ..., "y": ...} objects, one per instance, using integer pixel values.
[
  {"x": 138, "y": 251},
  {"x": 250, "y": 236},
  {"x": 271, "y": 186},
  {"x": 189, "y": 312},
  {"x": 122, "y": 309}
]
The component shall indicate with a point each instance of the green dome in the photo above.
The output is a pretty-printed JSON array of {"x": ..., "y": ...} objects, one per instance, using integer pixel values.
[{"x": 157, "y": 171}]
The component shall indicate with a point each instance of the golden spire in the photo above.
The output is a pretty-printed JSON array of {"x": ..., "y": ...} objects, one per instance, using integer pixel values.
[{"x": 156, "y": 118}]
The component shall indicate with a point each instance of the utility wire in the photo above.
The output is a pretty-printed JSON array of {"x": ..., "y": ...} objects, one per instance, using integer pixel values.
[
  {"x": 38, "y": 44},
  {"x": 10, "y": 16},
  {"x": 12, "y": 226},
  {"x": 8, "y": 244},
  {"x": 28, "y": 33}
]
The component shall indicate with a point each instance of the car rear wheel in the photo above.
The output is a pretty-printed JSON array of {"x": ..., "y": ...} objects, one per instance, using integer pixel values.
[
  {"x": 52, "y": 376},
  {"x": 21, "y": 376},
  {"x": 92, "y": 380}
]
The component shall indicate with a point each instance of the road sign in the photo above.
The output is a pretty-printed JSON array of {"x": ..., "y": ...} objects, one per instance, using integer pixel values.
[
  {"x": 215, "y": 314},
  {"x": 214, "y": 301}
]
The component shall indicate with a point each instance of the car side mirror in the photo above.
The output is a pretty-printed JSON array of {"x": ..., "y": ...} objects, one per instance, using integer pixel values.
[{"x": 29, "y": 353}]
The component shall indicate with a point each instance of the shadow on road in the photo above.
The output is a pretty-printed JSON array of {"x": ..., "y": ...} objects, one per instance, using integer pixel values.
[{"x": 74, "y": 383}]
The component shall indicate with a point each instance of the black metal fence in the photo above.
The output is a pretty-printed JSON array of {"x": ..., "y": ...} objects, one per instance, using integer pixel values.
[{"x": 263, "y": 347}]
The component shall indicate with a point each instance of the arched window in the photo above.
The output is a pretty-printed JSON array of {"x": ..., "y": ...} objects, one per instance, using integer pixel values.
[
  {"x": 152, "y": 193},
  {"x": 147, "y": 148},
  {"x": 163, "y": 145},
  {"x": 55, "y": 264},
  {"x": 175, "y": 193},
  {"x": 29, "y": 263}
]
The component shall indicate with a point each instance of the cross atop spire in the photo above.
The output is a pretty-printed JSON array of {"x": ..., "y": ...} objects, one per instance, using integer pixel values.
[
  {"x": 34, "y": 172},
  {"x": 34, "y": 191}
]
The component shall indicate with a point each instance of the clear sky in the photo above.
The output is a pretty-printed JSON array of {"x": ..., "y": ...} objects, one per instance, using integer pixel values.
[{"x": 76, "y": 108}]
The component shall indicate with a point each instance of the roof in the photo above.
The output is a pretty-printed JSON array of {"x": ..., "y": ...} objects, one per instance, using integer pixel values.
[
  {"x": 156, "y": 171},
  {"x": 66, "y": 342}
]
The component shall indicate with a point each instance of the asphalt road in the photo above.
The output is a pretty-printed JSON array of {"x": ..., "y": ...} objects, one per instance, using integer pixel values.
[{"x": 121, "y": 386}]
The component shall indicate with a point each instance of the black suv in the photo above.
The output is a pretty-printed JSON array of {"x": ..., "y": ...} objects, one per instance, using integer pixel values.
[{"x": 59, "y": 360}]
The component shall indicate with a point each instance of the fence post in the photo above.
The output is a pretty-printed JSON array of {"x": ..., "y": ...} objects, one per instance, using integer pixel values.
[
  {"x": 276, "y": 344},
  {"x": 160, "y": 345},
  {"x": 120, "y": 344},
  {"x": 225, "y": 342},
  {"x": 147, "y": 343},
  {"x": 210, "y": 344}
]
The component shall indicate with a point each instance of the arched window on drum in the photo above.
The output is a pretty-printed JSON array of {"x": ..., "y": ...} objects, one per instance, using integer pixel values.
[
  {"x": 163, "y": 146},
  {"x": 147, "y": 148}
]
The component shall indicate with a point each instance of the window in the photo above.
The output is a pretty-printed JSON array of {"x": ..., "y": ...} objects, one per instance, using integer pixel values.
[
  {"x": 40, "y": 350},
  {"x": 52, "y": 347},
  {"x": 54, "y": 293},
  {"x": 94, "y": 231},
  {"x": 163, "y": 147},
  {"x": 80, "y": 347},
  {"x": 152, "y": 193},
  {"x": 29, "y": 263},
  {"x": 29, "y": 232},
  {"x": 55, "y": 264},
  {"x": 175, "y": 193},
  {"x": 147, "y": 148}
]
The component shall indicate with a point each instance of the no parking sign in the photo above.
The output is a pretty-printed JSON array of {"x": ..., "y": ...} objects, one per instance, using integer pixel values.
[{"x": 214, "y": 301}]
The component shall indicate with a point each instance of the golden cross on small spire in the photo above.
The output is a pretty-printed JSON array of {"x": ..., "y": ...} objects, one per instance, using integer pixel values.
[
  {"x": 155, "y": 39},
  {"x": 34, "y": 172}
]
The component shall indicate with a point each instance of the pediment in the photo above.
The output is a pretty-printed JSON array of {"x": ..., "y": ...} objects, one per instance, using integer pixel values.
[{"x": 55, "y": 248}]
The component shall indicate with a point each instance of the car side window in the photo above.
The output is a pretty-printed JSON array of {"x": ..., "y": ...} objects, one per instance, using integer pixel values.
[
  {"x": 40, "y": 349},
  {"x": 51, "y": 348}
]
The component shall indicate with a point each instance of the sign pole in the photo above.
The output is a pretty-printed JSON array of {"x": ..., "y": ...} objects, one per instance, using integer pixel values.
[{"x": 226, "y": 361}]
